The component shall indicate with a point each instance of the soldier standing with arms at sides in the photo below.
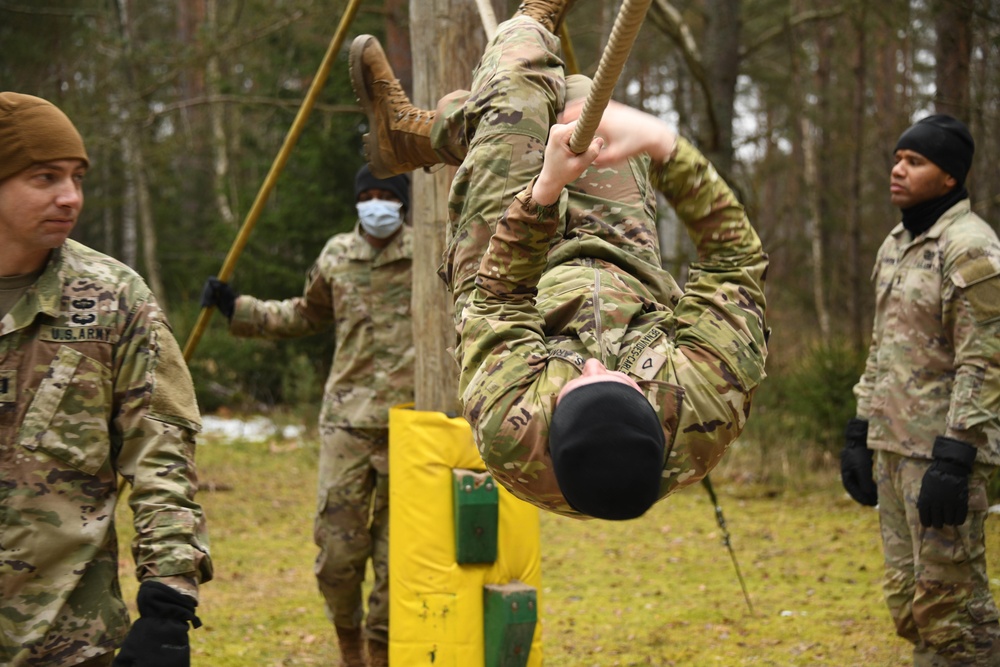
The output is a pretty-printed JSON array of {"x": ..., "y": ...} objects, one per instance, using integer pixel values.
[
  {"x": 92, "y": 386},
  {"x": 928, "y": 412},
  {"x": 360, "y": 289}
]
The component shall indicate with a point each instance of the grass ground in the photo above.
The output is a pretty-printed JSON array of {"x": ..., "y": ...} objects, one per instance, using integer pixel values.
[{"x": 658, "y": 591}]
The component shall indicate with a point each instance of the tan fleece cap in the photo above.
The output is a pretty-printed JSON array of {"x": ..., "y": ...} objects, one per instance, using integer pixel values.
[
  {"x": 33, "y": 130},
  {"x": 577, "y": 86}
]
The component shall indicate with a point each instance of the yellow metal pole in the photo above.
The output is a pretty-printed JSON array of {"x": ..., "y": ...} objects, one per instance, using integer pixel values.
[
  {"x": 569, "y": 55},
  {"x": 272, "y": 176}
]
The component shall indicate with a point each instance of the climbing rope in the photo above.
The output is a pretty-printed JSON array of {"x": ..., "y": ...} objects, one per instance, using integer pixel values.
[
  {"x": 569, "y": 54},
  {"x": 726, "y": 541},
  {"x": 616, "y": 52}
]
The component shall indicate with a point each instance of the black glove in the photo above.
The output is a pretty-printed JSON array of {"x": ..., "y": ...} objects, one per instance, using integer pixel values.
[
  {"x": 944, "y": 493},
  {"x": 856, "y": 464},
  {"x": 159, "y": 638},
  {"x": 219, "y": 294}
]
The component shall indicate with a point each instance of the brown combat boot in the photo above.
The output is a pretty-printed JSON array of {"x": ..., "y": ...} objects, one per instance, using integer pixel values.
[
  {"x": 352, "y": 648},
  {"x": 399, "y": 134},
  {"x": 378, "y": 653},
  {"x": 549, "y": 13}
]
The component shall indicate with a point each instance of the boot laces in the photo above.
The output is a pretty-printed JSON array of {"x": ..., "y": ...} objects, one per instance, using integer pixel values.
[{"x": 398, "y": 102}]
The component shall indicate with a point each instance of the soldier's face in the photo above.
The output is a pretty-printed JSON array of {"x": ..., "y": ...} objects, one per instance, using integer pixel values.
[
  {"x": 38, "y": 209},
  {"x": 915, "y": 179},
  {"x": 595, "y": 371}
]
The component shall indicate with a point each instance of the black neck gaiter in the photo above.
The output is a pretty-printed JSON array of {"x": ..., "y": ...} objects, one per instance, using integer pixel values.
[{"x": 918, "y": 218}]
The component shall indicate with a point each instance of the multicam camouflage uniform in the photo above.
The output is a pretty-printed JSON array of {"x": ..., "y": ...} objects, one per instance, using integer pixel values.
[
  {"x": 934, "y": 369},
  {"x": 92, "y": 385},
  {"x": 581, "y": 279},
  {"x": 364, "y": 294}
]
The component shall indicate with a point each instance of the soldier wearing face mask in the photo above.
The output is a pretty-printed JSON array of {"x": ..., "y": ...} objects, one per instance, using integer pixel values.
[{"x": 359, "y": 290}]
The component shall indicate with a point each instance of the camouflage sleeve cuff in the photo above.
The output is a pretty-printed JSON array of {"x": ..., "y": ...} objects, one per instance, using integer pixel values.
[
  {"x": 515, "y": 258},
  {"x": 184, "y": 585},
  {"x": 544, "y": 214},
  {"x": 241, "y": 323}
]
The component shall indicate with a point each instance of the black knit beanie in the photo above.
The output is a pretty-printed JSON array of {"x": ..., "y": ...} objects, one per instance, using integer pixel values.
[
  {"x": 943, "y": 140},
  {"x": 398, "y": 185},
  {"x": 607, "y": 449}
]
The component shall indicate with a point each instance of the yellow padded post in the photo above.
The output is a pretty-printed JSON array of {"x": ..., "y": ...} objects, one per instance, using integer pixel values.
[{"x": 435, "y": 604}]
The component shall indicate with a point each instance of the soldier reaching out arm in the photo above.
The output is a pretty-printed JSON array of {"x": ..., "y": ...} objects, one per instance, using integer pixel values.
[{"x": 359, "y": 289}]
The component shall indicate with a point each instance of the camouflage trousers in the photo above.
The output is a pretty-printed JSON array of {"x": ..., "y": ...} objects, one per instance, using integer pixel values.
[
  {"x": 352, "y": 526},
  {"x": 935, "y": 580},
  {"x": 498, "y": 131},
  {"x": 517, "y": 89},
  {"x": 100, "y": 661}
]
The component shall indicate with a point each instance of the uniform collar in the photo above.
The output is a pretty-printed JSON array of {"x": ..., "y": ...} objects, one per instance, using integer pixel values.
[
  {"x": 942, "y": 223},
  {"x": 44, "y": 297},
  {"x": 401, "y": 247}
]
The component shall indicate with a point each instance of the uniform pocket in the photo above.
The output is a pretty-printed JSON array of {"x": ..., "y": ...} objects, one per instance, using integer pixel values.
[
  {"x": 983, "y": 610},
  {"x": 979, "y": 280},
  {"x": 742, "y": 359},
  {"x": 68, "y": 417},
  {"x": 668, "y": 400}
]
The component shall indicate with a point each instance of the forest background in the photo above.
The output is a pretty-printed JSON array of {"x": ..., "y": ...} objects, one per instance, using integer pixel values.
[{"x": 184, "y": 105}]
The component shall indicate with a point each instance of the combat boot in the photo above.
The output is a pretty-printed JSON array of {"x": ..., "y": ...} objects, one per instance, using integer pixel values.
[
  {"x": 352, "y": 648},
  {"x": 378, "y": 653},
  {"x": 399, "y": 134},
  {"x": 549, "y": 13}
]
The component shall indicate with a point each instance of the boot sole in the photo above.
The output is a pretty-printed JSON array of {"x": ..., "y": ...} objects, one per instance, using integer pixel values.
[{"x": 356, "y": 69}]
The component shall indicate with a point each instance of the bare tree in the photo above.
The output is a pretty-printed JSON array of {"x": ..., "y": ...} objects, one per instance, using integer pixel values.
[
  {"x": 217, "y": 111},
  {"x": 136, "y": 163},
  {"x": 447, "y": 39},
  {"x": 853, "y": 214},
  {"x": 953, "y": 25}
]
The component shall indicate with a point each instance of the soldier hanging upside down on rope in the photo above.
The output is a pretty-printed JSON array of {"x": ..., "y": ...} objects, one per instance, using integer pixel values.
[{"x": 594, "y": 385}]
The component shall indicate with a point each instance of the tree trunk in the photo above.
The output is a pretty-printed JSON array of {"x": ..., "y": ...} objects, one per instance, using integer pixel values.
[
  {"x": 130, "y": 237},
  {"x": 216, "y": 110},
  {"x": 135, "y": 165},
  {"x": 854, "y": 273},
  {"x": 397, "y": 42},
  {"x": 147, "y": 225},
  {"x": 722, "y": 63},
  {"x": 448, "y": 41},
  {"x": 953, "y": 25},
  {"x": 814, "y": 225}
]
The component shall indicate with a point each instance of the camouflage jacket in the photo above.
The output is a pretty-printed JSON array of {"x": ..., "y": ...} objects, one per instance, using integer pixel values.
[
  {"x": 362, "y": 295},
  {"x": 92, "y": 385},
  {"x": 934, "y": 363},
  {"x": 528, "y": 330}
]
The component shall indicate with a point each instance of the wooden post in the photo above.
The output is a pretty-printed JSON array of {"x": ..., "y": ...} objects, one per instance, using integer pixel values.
[{"x": 448, "y": 40}]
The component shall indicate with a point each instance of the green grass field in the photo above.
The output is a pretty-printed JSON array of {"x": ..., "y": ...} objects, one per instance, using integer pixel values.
[{"x": 659, "y": 591}]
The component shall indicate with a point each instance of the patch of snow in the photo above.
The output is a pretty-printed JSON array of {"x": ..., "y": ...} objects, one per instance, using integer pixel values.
[{"x": 254, "y": 429}]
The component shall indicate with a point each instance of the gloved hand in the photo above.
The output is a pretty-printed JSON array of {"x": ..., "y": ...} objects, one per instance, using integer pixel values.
[
  {"x": 159, "y": 638},
  {"x": 219, "y": 294},
  {"x": 944, "y": 492},
  {"x": 856, "y": 464}
]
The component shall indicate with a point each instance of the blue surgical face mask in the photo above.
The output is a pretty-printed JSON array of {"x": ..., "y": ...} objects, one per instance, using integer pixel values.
[{"x": 379, "y": 217}]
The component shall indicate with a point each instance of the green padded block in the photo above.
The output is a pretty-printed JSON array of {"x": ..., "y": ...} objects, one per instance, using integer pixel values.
[
  {"x": 510, "y": 612},
  {"x": 477, "y": 515}
]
